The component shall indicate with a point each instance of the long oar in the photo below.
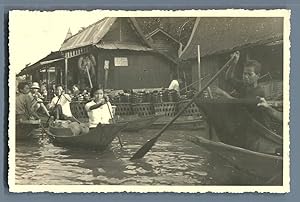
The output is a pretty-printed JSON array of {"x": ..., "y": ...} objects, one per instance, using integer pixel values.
[
  {"x": 118, "y": 136},
  {"x": 146, "y": 147},
  {"x": 89, "y": 76},
  {"x": 105, "y": 82},
  {"x": 195, "y": 82},
  {"x": 52, "y": 112}
]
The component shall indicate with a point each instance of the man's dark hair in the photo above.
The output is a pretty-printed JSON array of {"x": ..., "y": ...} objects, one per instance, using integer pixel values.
[
  {"x": 255, "y": 64},
  {"x": 94, "y": 89},
  {"x": 22, "y": 85}
]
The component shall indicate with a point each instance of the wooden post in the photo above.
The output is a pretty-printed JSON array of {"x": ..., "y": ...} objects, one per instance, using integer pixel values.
[
  {"x": 47, "y": 81},
  {"x": 47, "y": 76},
  {"x": 100, "y": 74},
  {"x": 56, "y": 74},
  {"x": 66, "y": 74},
  {"x": 61, "y": 76},
  {"x": 199, "y": 67},
  {"x": 105, "y": 78},
  {"x": 178, "y": 72}
]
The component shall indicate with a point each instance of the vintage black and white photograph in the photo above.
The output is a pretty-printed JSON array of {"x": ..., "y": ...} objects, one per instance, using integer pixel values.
[{"x": 149, "y": 101}]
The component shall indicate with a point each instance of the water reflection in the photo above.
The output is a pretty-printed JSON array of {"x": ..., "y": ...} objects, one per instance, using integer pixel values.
[{"x": 172, "y": 161}]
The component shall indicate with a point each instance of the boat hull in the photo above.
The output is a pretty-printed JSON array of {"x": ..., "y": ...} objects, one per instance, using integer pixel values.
[
  {"x": 179, "y": 124},
  {"x": 97, "y": 138},
  {"x": 234, "y": 125},
  {"x": 265, "y": 166},
  {"x": 138, "y": 123},
  {"x": 24, "y": 130}
]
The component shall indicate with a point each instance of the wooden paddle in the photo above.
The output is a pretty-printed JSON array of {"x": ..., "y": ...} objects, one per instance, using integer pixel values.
[
  {"x": 118, "y": 136},
  {"x": 111, "y": 116},
  {"x": 43, "y": 129},
  {"x": 146, "y": 147}
]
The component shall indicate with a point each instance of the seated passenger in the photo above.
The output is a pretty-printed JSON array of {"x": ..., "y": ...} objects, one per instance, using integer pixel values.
[
  {"x": 99, "y": 109},
  {"x": 24, "y": 107},
  {"x": 37, "y": 98},
  {"x": 75, "y": 93},
  {"x": 175, "y": 85}
]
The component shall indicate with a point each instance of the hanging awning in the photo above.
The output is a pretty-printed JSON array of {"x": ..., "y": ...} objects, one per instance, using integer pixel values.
[{"x": 52, "y": 58}]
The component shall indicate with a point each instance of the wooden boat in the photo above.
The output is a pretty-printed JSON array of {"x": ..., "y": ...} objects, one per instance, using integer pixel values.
[
  {"x": 239, "y": 122},
  {"x": 97, "y": 138},
  {"x": 136, "y": 123},
  {"x": 182, "y": 123},
  {"x": 25, "y": 128},
  {"x": 265, "y": 166}
]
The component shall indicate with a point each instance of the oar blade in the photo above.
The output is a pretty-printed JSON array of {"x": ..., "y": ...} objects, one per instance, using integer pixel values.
[{"x": 144, "y": 149}]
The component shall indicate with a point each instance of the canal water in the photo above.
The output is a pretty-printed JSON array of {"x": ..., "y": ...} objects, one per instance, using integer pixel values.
[{"x": 172, "y": 161}]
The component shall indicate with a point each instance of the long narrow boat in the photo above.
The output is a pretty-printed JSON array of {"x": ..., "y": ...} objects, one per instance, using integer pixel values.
[
  {"x": 245, "y": 142},
  {"x": 266, "y": 166},
  {"x": 239, "y": 122},
  {"x": 25, "y": 128},
  {"x": 97, "y": 138},
  {"x": 137, "y": 123},
  {"x": 182, "y": 123}
]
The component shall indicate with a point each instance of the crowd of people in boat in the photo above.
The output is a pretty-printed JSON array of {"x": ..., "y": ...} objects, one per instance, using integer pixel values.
[{"x": 29, "y": 101}]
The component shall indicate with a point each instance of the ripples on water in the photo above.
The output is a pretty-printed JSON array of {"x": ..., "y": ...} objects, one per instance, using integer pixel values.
[{"x": 172, "y": 161}]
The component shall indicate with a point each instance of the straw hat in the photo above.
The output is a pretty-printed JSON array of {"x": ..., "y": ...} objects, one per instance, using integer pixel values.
[{"x": 35, "y": 85}]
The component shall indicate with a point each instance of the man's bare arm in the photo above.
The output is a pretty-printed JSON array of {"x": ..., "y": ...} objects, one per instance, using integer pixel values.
[{"x": 230, "y": 73}]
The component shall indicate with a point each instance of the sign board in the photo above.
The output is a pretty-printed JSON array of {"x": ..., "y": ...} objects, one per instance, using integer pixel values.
[{"x": 121, "y": 61}]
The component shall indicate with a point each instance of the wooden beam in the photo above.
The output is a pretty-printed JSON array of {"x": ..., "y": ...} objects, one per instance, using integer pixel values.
[
  {"x": 66, "y": 74},
  {"x": 47, "y": 81}
]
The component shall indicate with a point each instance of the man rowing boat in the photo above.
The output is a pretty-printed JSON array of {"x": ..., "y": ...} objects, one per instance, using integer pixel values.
[
  {"x": 61, "y": 103},
  {"x": 99, "y": 109},
  {"x": 247, "y": 87}
]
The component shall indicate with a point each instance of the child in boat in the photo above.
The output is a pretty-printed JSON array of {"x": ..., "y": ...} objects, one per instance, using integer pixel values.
[{"x": 99, "y": 109}]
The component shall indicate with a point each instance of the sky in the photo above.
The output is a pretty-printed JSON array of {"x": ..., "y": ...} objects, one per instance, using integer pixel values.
[{"x": 33, "y": 34}]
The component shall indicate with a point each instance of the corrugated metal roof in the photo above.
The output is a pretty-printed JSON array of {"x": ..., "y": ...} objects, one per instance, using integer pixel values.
[
  {"x": 51, "y": 58},
  {"x": 221, "y": 34},
  {"x": 88, "y": 36},
  {"x": 93, "y": 34},
  {"x": 122, "y": 46}
]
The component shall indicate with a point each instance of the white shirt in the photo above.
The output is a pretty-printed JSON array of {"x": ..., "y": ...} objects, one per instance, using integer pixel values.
[
  {"x": 99, "y": 115},
  {"x": 174, "y": 85},
  {"x": 65, "y": 104}
]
